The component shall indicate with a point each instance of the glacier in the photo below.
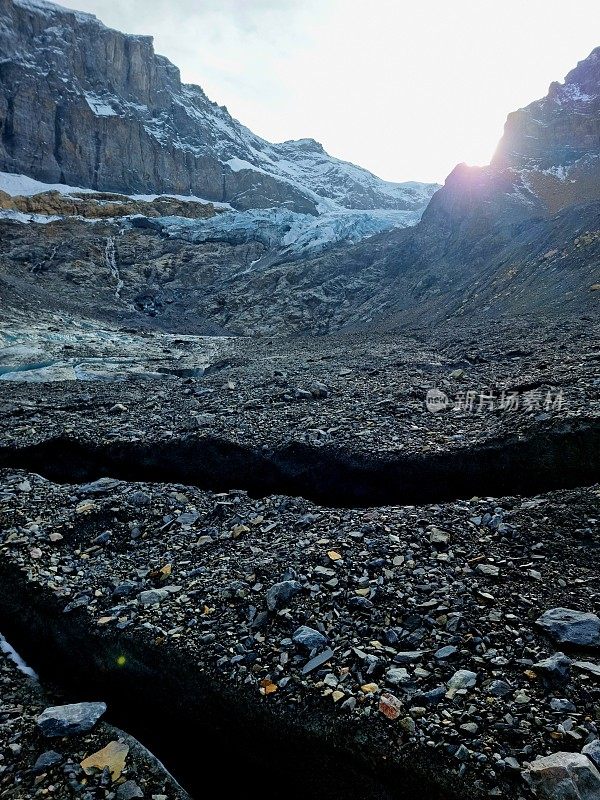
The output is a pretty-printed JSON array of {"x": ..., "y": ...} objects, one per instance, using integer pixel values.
[{"x": 287, "y": 234}]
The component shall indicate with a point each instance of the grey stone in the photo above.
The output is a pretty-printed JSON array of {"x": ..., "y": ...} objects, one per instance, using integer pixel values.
[
  {"x": 462, "y": 679},
  {"x": 317, "y": 661},
  {"x": 568, "y": 626},
  {"x": 556, "y": 667},
  {"x": 409, "y": 656},
  {"x": 129, "y": 791},
  {"x": 280, "y": 594},
  {"x": 397, "y": 676},
  {"x": 319, "y": 389},
  {"x": 47, "y": 760},
  {"x": 349, "y": 704},
  {"x": 439, "y": 537},
  {"x": 589, "y": 667},
  {"x": 153, "y": 596},
  {"x": 432, "y": 697},
  {"x": 470, "y": 728},
  {"x": 446, "y": 652},
  {"x": 71, "y": 719},
  {"x": 139, "y": 499},
  {"x": 309, "y": 638},
  {"x": 499, "y": 688},
  {"x": 101, "y": 486},
  {"x": 125, "y": 588},
  {"x": 562, "y": 704},
  {"x": 302, "y": 394},
  {"x": 592, "y": 751},
  {"x": 187, "y": 518},
  {"x": 204, "y": 420},
  {"x": 564, "y": 776},
  {"x": 489, "y": 570}
]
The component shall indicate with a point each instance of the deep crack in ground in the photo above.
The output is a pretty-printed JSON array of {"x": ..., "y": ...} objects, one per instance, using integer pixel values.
[{"x": 557, "y": 456}]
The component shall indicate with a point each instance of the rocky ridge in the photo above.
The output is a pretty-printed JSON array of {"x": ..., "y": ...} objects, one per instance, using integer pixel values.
[{"x": 101, "y": 206}]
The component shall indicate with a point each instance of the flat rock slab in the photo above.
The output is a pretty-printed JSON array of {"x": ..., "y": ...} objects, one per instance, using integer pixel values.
[
  {"x": 70, "y": 719},
  {"x": 572, "y": 627}
]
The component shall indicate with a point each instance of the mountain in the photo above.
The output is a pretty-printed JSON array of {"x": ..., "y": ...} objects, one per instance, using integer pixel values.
[
  {"x": 548, "y": 158},
  {"x": 554, "y": 143},
  {"x": 334, "y": 250},
  {"x": 88, "y": 106},
  {"x": 519, "y": 236}
]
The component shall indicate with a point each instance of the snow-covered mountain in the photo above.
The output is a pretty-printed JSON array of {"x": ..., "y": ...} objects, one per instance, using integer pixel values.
[{"x": 85, "y": 105}]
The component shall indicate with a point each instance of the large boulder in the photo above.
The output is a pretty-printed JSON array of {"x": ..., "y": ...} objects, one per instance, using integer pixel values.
[
  {"x": 592, "y": 751},
  {"x": 564, "y": 776},
  {"x": 69, "y": 720},
  {"x": 567, "y": 626}
]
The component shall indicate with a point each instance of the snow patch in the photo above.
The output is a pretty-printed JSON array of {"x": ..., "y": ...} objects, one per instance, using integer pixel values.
[
  {"x": 21, "y": 185},
  {"x": 559, "y": 171},
  {"x": 10, "y": 651},
  {"x": 572, "y": 93},
  {"x": 238, "y": 164},
  {"x": 19, "y": 216},
  {"x": 191, "y": 198},
  {"x": 99, "y": 106}
]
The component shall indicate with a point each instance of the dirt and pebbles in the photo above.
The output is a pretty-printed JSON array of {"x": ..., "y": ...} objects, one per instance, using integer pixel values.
[{"x": 390, "y": 632}]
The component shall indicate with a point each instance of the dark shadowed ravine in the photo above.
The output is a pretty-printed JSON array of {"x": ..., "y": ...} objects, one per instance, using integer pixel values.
[
  {"x": 556, "y": 456},
  {"x": 199, "y": 738}
]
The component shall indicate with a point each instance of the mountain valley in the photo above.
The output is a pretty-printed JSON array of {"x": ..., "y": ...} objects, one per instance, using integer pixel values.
[{"x": 294, "y": 458}]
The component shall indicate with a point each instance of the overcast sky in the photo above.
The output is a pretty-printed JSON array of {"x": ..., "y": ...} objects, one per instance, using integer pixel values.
[{"x": 406, "y": 88}]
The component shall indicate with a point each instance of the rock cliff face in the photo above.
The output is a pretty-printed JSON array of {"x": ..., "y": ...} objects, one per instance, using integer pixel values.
[
  {"x": 88, "y": 106},
  {"x": 102, "y": 206},
  {"x": 561, "y": 128}
]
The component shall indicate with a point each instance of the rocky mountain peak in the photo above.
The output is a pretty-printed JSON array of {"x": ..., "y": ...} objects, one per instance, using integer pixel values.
[
  {"x": 561, "y": 128},
  {"x": 308, "y": 145},
  {"x": 547, "y": 160}
]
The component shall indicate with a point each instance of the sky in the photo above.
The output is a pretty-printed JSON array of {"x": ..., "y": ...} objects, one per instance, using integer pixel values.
[{"x": 406, "y": 88}]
